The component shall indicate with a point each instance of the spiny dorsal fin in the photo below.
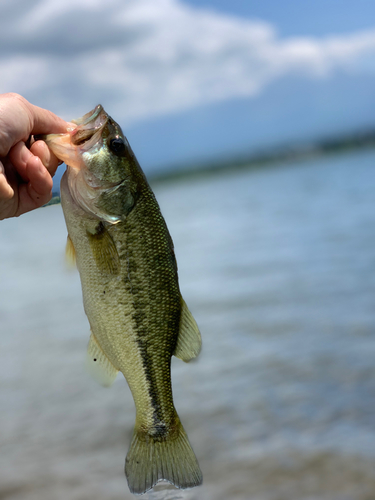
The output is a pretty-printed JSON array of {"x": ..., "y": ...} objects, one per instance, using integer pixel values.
[
  {"x": 189, "y": 341},
  {"x": 104, "y": 250},
  {"x": 70, "y": 253},
  {"x": 98, "y": 365}
]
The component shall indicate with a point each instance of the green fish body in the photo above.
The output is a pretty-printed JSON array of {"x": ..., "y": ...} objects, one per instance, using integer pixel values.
[{"x": 131, "y": 295}]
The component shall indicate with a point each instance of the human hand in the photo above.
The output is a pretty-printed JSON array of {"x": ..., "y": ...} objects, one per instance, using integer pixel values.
[{"x": 25, "y": 174}]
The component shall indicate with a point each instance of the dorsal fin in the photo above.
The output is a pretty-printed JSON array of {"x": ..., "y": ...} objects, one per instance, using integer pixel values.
[
  {"x": 189, "y": 340},
  {"x": 70, "y": 253},
  {"x": 98, "y": 365}
]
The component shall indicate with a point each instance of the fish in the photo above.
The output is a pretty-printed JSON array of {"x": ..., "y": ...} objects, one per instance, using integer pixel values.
[{"x": 138, "y": 318}]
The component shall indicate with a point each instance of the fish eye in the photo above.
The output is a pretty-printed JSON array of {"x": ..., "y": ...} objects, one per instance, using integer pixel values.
[{"x": 117, "y": 146}]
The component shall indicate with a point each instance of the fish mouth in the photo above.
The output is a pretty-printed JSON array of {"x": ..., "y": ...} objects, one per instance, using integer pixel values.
[
  {"x": 89, "y": 125},
  {"x": 85, "y": 137}
]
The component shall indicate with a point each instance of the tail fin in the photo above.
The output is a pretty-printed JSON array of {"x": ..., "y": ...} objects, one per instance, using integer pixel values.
[{"x": 149, "y": 461}]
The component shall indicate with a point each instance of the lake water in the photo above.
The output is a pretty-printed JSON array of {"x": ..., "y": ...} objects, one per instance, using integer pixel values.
[{"x": 277, "y": 265}]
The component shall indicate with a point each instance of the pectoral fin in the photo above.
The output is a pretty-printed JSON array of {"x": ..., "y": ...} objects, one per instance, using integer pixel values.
[
  {"x": 98, "y": 365},
  {"x": 104, "y": 250},
  {"x": 189, "y": 340},
  {"x": 70, "y": 253}
]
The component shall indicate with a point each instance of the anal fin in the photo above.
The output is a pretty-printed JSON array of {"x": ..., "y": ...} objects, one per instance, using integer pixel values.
[
  {"x": 189, "y": 341},
  {"x": 98, "y": 365}
]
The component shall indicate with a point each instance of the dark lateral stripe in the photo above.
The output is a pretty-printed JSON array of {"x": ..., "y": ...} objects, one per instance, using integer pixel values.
[
  {"x": 149, "y": 247},
  {"x": 158, "y": 420},
  {"x": 149, "y": 361}
]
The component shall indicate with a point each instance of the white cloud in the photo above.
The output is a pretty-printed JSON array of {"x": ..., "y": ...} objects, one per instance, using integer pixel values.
[{"x": 142, "y": 58}]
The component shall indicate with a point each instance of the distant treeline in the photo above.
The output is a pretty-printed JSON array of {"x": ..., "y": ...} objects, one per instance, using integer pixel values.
[
  {"x": 55, "y": 198},
  {"x": 291, "y": 152},
  {"x": 294, "y": 152}
]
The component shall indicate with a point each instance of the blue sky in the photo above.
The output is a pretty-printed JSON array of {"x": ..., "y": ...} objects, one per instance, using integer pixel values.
[
  {"x": 301, "y": 17},
  {"x": 196, "y": 80}
]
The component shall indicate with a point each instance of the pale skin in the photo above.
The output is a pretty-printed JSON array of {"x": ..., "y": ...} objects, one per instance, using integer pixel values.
[{"x": 25, "y": 172}]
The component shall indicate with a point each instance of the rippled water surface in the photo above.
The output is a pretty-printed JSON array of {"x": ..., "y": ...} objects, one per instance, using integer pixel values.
[{"x": 277, "y": 266}]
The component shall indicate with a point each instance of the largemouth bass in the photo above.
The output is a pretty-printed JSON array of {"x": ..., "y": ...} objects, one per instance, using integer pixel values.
[{"x": 131, "y": 295}]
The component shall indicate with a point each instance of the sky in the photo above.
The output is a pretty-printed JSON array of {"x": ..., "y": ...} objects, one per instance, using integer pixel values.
[{"x": 196, "y": 80}]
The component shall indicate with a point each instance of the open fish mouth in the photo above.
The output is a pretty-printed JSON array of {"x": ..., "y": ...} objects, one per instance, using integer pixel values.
[
  {"x": 88, "y": 125},
  {"x": 82, "y": 136},
  {"x": 85, "y": 137}
]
